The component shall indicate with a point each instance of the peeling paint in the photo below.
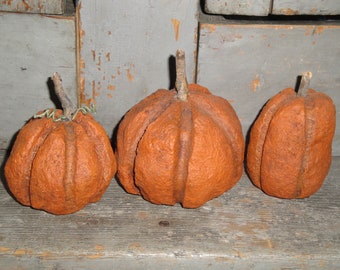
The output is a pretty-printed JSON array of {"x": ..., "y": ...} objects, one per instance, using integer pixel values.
[
  {"x": 136, "y": 247},
  {"x": 24, "y": 6},
  {"x": 98, "y": 64},
  {"x": 288, "y": 11},
  {"x": 46, "y": 254},
  {"x": 8, "y": 2},
  {"x": 93, "y": 52},
  {"x": 142, "y": 214},
  {"x": 5, "y": 249},
  {"x": 95, "y": 256},
  {"x": 313, "y": 11},
  {"x": 176, "y": 23},
  {"x": 83, "y": 98},
  {"x": 108, "y": 56},
  {"x": 318, "y": 30},
  {"x": 20, "y": 252},
  {"x": 210, "y": 27},
  {"x": 33, "y": 6},
  {"x": 98, "y": 247},
  {"x": 314, "y": 30},
  {"x": 269, "y": 243},
  {"x": 255, "y": 84},
  {"x": 129, "y": 75},
  {"x": 111, "y": 87}
]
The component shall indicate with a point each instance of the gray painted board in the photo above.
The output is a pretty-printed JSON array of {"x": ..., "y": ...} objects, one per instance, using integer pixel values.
[
  {"x": 125, "y": 51},
  {"x": 32, "y": 48},
  {"x": 277, "y": 7},
  {"x": 238, "y": 7},
  {"x": 248, "y": 63},
  {"x": 307, "y": 7},
  {"x": 34, "y": 6},
  {"x": 241, "y": 229}
]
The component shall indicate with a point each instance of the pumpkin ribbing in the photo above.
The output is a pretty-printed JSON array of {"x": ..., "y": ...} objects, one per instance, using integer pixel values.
[
  {"x": 60, "y": 166},
  {"x": 289, "y": 151},
  {"x": 180, "y": 147}
]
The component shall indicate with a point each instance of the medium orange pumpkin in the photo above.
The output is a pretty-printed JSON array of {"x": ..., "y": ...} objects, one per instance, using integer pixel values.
[
  {"x": 290, "y": 146},
  {"x": 60, "y": 162},
  {"x": 180, "y": 147}
]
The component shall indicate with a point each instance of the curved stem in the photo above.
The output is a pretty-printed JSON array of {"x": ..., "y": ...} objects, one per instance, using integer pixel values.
[
  {"x": 181, "y": 79},
  {"x": 304, "y": 84},
  {"x": 68, "y": 107}
]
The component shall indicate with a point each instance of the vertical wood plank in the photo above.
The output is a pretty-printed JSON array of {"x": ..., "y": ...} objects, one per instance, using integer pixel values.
[
  {"x": 249, "y": 63},
  {"x": 126, "y": 51},
  {"x": 32, "y": 48}
]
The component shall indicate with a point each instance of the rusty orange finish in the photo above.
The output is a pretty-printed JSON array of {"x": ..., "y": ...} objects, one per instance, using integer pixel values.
[
  {"x": 173, "y": 151},
  {"x": 61, "y": 166},
  {"x": 290, "y": 146}
]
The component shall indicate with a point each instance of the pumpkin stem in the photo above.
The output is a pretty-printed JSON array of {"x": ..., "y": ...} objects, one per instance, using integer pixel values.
[
  {"x": 181, "y": 79},
  {"x": 68, "y": 107},
  {"x": 304, "y": 84}
]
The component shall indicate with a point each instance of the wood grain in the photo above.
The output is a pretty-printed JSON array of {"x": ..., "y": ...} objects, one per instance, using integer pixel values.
[{"x": 242, "y": 229}]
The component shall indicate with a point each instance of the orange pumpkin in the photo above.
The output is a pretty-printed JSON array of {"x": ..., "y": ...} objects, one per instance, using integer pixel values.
[
  {"x": 290, "y": 146},
  {"x": 180, "y": 146},
  {"x": 60, "y": 162}
]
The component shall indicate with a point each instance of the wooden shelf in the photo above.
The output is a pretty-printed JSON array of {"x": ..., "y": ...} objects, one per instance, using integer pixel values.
[{"x": 242, "y": 229}]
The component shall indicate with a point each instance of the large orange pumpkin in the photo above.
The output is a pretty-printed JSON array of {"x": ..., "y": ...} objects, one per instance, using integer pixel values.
[
  {"x": 60, "y": 161},
  {"x": 180, "y": 146},
  {"x": 290, "y": 146}
]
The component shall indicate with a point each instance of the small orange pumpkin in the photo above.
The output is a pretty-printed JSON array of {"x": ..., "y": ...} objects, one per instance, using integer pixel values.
[
  {"x": 180, "y": 147},
  {"x": 60, "y": 162},
  {"x": 290, "y": 146}
]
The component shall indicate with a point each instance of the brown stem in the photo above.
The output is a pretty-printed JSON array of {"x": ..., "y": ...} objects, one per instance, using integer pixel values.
[
  {"x": 68, "y": 107},
  {"x": 181, "y": 79},
  {"x": 304, "y": 84}
]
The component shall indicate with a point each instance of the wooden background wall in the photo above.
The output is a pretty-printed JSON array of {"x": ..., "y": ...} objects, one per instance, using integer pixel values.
[{"x": 125, "y": 52}]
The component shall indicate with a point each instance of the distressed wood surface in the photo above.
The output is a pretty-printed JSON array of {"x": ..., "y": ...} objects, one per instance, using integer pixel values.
[
  {"x": 257, "y": 60},
  {"x": 242, "y": 229},
  {"x": 126, "y": 51},
  {"x": 33, "y": 6},
  {"x": 307, "y": 7},
  {"x": 238, "y": 7},
  {"x": 277, "y": 7},
  {"x": 32, "y": 48}
]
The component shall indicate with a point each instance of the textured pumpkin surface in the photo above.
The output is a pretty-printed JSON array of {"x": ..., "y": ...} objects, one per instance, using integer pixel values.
[
  {"x": 290, "y": 147},
  {"x": 61, "y": 166},
  {"x": 173, "y": 151}
]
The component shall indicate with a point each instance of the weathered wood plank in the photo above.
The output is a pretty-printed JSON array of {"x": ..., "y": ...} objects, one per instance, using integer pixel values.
[
  {"x": 310, "y": 7},
  {"x": 248, "y": 63},
  {"x": 32, "y": 48},
  {"x": 126, "y": 51},
  {"x": 277, "y": 7},
  {"x": 33, "y": 6},
  {"x": 238, "y": 7},
  {"x": 242, "y": 229}
]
